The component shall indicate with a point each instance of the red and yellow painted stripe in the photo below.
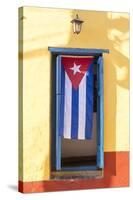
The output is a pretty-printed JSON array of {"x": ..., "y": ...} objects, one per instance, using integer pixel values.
[{"x": 116, "y": 174}]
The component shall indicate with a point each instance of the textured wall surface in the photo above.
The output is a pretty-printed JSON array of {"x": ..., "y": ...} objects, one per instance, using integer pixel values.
[{"x": 43, "y": 27}]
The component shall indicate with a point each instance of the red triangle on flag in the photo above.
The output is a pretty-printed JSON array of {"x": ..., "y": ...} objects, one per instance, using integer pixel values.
[{"x": 76, "y": 67}]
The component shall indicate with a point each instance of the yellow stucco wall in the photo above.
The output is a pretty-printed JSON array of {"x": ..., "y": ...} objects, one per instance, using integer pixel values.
[{"x": 43, "y": 27}]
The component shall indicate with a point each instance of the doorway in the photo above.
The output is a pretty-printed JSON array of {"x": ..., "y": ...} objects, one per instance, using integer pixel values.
[
  {"x": 74, "y": 154},
  {"x": 82, "y": 154}
]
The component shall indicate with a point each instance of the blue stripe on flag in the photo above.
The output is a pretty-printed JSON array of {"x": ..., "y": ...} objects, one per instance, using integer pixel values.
[
  {"x": 74, "y": 124},
  {"x": 61, "y": 130},
  {"x": 89, "y": 103}
]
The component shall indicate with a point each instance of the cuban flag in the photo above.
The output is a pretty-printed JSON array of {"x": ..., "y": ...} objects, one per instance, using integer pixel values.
[{"x": 75, "y": 117}]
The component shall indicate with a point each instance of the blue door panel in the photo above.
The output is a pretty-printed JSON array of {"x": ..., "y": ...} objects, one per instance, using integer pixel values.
[
  {"x": 58, "y": 102},
  {"x": 100, "y": 114}
]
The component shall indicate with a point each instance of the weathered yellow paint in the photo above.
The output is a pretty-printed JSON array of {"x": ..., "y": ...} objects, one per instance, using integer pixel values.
[{"x": 43, "y": 27}]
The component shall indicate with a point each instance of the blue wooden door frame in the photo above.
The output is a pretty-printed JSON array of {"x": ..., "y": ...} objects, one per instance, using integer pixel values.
[
  {"x": 100, "y": 112},
  {"x": 58, "y": 101}
]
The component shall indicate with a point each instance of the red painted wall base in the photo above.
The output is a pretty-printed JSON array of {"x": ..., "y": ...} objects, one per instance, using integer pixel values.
[{"x": 116, "y": 174}]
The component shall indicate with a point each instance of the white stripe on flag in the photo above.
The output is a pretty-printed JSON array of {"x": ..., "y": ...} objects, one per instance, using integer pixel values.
[
  {"x": 67, "y": 107},
  {"x": 82, "y": 108}
]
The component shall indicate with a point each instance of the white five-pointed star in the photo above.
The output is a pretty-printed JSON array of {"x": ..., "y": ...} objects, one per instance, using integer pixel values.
[{"x": 75, "y": 68}]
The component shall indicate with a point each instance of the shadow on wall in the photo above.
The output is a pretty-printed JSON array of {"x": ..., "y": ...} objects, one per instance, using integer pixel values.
[{"x": 111, "y": 32}]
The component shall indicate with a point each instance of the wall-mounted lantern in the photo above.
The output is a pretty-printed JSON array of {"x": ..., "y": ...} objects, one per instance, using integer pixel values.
[{"x": 77, "y": 24}]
